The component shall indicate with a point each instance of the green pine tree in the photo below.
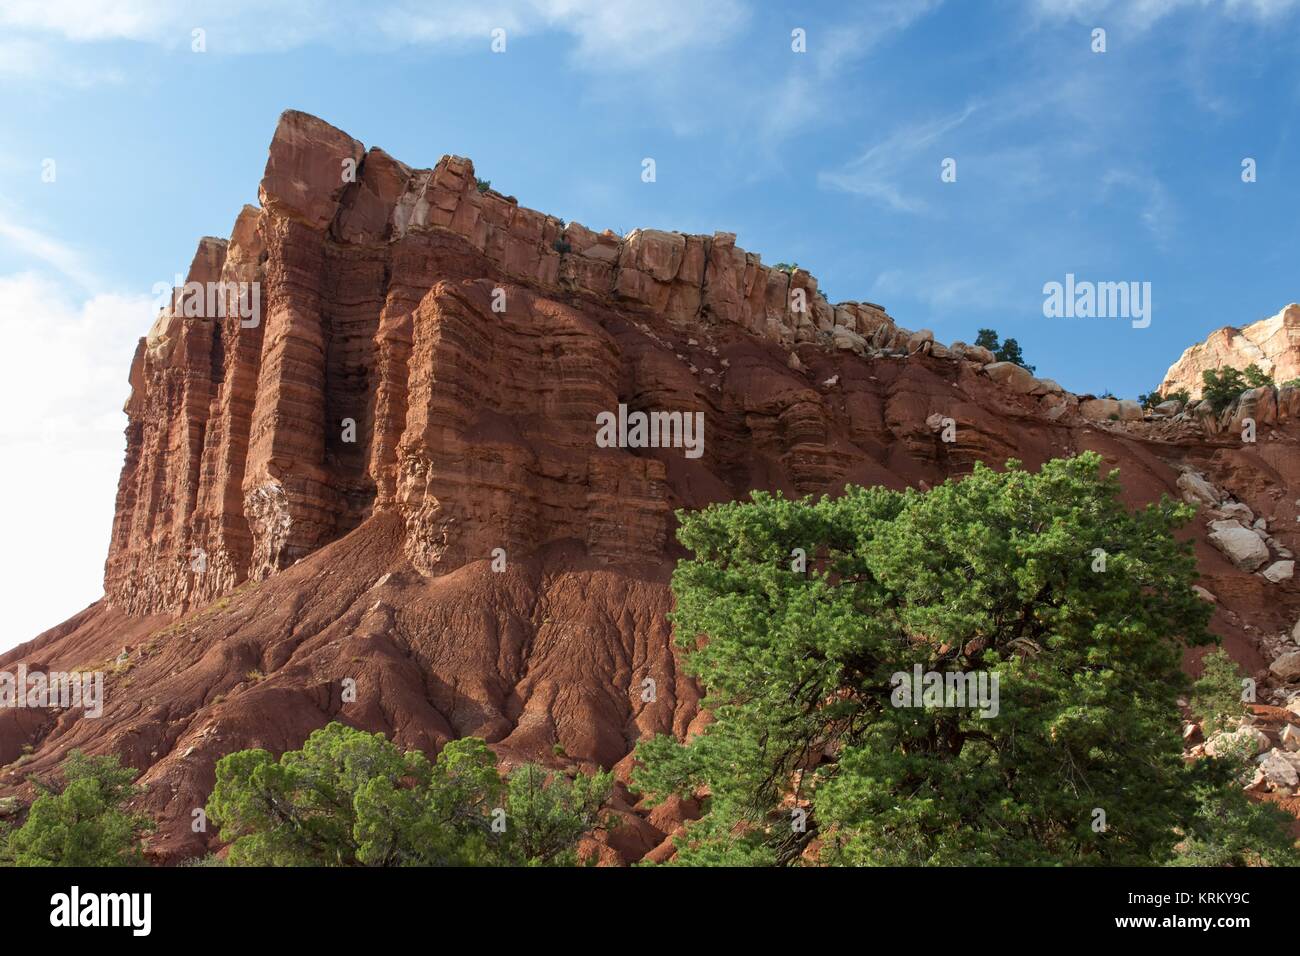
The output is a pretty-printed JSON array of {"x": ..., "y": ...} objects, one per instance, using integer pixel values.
[
  {"x": 349, "y": 798},
  {"x": 993, "y": 573},
  {"x": 83, "y": 823}
]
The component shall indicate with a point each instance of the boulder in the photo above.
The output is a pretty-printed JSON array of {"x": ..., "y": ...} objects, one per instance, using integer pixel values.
[
  {"x": 918, "y": 341},
  {"x": 843, "y": 338},
  {"x": 1099, "y": 409},
  {"x": 1279, "y": 571},
  {"x": 1240, "y": 545},
  {"x": 1012, "y": 376},
  {"x": 1279, "y": 774},
  {"x": 1290, "y": 737},
  {"x": 1130, "y": 411},
  {"x": 1196, "y": 490},
  {"x": 1244, "y": 739},
  {"x": 1235, "y": 509},
  {"x": 978, "y": 353},
  {"x": 1286, "y": 667}
]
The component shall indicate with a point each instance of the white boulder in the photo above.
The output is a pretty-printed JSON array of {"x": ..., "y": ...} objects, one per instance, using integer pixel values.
[{"x": 1241, "y": 545}]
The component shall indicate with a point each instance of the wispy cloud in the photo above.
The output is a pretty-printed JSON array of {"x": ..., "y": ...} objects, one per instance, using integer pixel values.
[
  {"x": 878, "y": 173},
  {"x": 609, "y": 34},
  {"x": 26, "y": 242},
  {"x": 1143, "y": 14},
  {"x": 942, "y": 292},
  {"x": 1154, "y": 207},
  {"x": 805, "y": 94}
]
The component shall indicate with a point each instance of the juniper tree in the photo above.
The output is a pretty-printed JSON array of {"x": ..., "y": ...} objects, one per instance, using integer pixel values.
[
  {"x": 83, "y": 822},
  {"x": 349, "y": 798},
  {"x": 1081, "y": 607}
]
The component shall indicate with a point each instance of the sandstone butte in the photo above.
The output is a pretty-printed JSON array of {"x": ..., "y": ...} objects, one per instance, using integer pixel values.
[
  {"x": 257, "y": 559},
  {"x": 1273, "y": 344}
]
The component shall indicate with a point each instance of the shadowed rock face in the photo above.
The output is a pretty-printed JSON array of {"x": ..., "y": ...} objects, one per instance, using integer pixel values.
[
  {"x": 317, "y": 493},
  {"x": 1273, "y": 344}
]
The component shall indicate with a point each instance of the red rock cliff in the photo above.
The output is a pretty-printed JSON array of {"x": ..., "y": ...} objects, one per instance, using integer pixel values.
[{"x": 316, "y": 493}]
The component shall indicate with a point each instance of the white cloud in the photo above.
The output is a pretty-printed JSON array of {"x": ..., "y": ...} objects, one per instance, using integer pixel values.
[{"x": 61, "y": 428}]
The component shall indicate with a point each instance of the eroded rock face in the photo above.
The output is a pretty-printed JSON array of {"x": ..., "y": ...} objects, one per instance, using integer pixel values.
[
  {"x": 389, "y": 474},
  {"x": 398, "y": 305},
  {"x": 1273, "y": 344}
]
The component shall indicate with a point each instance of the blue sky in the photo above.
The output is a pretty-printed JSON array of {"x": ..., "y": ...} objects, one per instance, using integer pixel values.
[{"x": 1115, "y": 166}]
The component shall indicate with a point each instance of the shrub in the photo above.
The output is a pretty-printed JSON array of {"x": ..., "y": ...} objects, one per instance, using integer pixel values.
[
  {"x": 1216, "y": 696},
  {"x": 349, "y": 798},
  {"x": 84, "y": 823}
]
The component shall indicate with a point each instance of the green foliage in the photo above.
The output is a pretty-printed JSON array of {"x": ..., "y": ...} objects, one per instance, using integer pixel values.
[
  {"x": 348, "y": 798},
  {"x": 1216, "y": 696},
  {"x": 1153, "y": 398},
  {"x": 563, "y": 247},
  {"x": 1222, "y": 386},
  {"x": 86, "y": 823},
  {"x": 1010, "y": 352},
  {"x": 991, "y": 573},
  {"x": 789, "y": 267},
  {"x": 548, "y": 814},
  {"x": 483, "y": 184},
  {"x": 1256, "y": 377},
  {"x": 1006, "y": 351},
  {"x": 1228, "y": 828}
]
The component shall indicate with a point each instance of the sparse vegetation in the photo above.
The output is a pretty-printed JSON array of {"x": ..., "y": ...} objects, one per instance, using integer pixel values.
[
  {"x": 1006, "y": 351},
  {"x": 1154, "y": 397},
  {"x": 1224, "y": 385},
  {"x": 483, "y": 184},
  {"x": 1216, "y": 696},
  {"x": 1228, "y": 828}
]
